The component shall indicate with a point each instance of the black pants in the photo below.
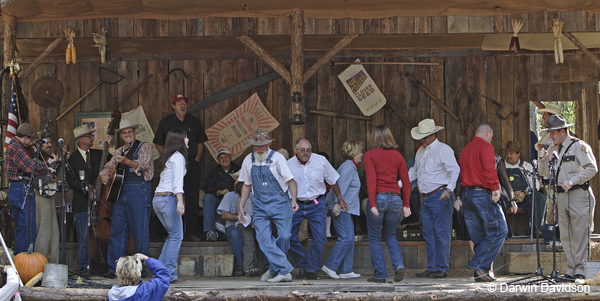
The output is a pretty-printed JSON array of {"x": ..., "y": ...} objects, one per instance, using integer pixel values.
[{"x": 192, "y": 194}]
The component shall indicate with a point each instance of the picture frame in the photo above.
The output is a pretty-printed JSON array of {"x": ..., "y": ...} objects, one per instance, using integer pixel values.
[{"x": 98, "y": 123}]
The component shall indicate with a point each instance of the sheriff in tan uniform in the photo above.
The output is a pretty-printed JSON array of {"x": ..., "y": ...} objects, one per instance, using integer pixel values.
[{"x": 575, "y": 166}]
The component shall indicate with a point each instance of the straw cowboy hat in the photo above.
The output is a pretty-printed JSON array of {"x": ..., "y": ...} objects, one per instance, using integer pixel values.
[
  {"x": 81, "y": 130},
  {"x": 551, "y": 108},
  {"x": 125, "y": 124},
  {"x": 557, "y": 122},
  {"x": 260, "y": 137},
  {"x": 425, "y": 128},
  {"x": 514, "y": 146}
]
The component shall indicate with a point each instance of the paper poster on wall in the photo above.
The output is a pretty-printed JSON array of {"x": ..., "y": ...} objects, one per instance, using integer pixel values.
[
  {"x": 362, "y": 89},
  {"x": 144, "y": 132},
  {"x": 233, "y": 130}
]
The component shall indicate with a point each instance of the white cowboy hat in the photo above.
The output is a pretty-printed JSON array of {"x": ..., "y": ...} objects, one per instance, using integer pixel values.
[
  {"x": 125, "y": 124},
  {"x": 551, "y": 108},
  {"x": 81, "y": 130},
  {"x": 425, "y": 128}
]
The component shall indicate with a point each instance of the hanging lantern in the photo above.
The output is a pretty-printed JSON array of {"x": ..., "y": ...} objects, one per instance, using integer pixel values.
[{"x": 297, "y": 113}]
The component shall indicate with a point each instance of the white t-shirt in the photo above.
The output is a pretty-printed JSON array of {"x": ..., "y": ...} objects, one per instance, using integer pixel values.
[
  {"x": 278, "y": 167},
  {"x": 171, "y": 178}
]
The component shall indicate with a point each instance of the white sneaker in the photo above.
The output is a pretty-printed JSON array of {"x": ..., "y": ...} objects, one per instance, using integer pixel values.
[
  {"x": 281, "y": 278},
  {"x": 330, "y": 273},
  {"x": 350, "y": 275},
  {"x": 266, "y": 276}
]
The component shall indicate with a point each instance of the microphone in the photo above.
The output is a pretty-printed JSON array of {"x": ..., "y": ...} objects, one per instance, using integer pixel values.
[
  {"x": 554, "y": 158},
  {"x": 40, "y": 185},
  {"x": 82, "y": 179},
  {"x": 61, "y": 141},
  {"x": 548, "y": 144},
  {"x": 534, "y": 162},
  {"x": 44, "y": 141}
]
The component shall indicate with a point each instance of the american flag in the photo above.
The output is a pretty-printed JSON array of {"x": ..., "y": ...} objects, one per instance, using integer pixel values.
[{"x": 13, "y": 112}]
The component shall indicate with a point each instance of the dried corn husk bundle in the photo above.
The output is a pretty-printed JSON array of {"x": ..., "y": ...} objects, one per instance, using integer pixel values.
[
  {"x": 71, "y": 55},
  {"x": 517, "y": 24},
  {"x": 557, "y": 26},
  {"x": 100, "y": 40}
]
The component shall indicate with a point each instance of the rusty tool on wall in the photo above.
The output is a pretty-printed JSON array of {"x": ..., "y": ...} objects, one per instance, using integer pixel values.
[
  {"x": 184, "y": 75},
  {"x": 119, "y": 78},
  {"x": 500, "y": 108},
  {"x": 428, "y": 93},
  {"x": 133, "y": 91}
]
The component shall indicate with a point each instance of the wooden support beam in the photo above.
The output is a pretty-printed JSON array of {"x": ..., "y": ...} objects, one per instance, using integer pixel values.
[
  {"x": 340, "y": 115},
  {"x": 386, "y": 63},
  {"x": 41, "y": 57},
  {"x": 400, "y": 113},
  {"x": 538, "y": 104},
  {"x": 325, "y": 58},
  {"x": 575, "y": 41},
  {"x": 297, "y": 70},
  {"x": 271, "y": 61}
]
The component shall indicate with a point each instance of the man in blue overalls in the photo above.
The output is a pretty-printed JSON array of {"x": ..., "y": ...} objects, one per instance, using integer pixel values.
[
  {"x": 132, "y": 209},
  {"x": 516, "y": 170},
  {"x": 266, "y": 173}
]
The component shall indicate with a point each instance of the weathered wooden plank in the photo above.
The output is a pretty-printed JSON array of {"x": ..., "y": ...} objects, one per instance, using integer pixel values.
[
  {"x": 389, "y": 25},
  {"x": 372, "y": 26},
  {"x": 109, "y": 93},
  {"x": 537, "y": 22},
  {"x": 126, "y": 27},
  {"x": 230, "y": 26},
  {"x": 44, "y": 114},
  {"x": 339, "y": 124},
  {"x": 458, "y": 24},
  {"x": 310, "y": 102},
  {"x": 56, "y": 28},
  {"x": 42, "y": 29},
  {"x": 194, "y": 90},
  {"x": 90, "y": 76},
  {"x": 393, "y": 92},
  {"x": 589, "y": 20},
  {"x": 500, "y": 23},
  {"x": 436, "y": 86},
  {"x": 573, "y": 21},
  {"x": 177, "y": 28},
  {"x": 494, "y": 91},
  {"x": 156, "y": 103},
  {"x": 480, "y": 23},
  {"x": 475, "y": 83},
  {"x": 521, "y": 105},
  {"x": 422, "y": 25},
  {"x": 356, "y": 26},
  {"x": 439, "y": 24},
  {"x": 24, "y": 30},
  {"x": 455, "y": 95},
  {"x": 248, "y": 26},
  {"x": 506, "y": 99},
  {"x": 195, "y": 27},
  {"x": 69, "y": 76},
  {"x": 325, "y": 123},
  {"x": 536, "y": 69},
  {"x": 340, "y": 26},
  {"x": 175, "y": 80},
  {"x": 130, "y": 71},
  {"x": 265, "y": 26}
]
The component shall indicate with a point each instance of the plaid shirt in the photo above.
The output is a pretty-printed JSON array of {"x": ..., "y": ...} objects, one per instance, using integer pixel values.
[
  {"x": 18, "y": 163},
  {"x": 144, "y": 160}
]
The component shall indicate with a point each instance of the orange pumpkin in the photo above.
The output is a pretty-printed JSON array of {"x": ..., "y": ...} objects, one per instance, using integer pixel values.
[{"x": 29, "y": 264}]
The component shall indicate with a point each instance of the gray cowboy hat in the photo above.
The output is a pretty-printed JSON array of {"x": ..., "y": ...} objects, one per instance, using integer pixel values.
[
  {"x": 260, "y": 137},
  {"x": 557, "y": 122}
]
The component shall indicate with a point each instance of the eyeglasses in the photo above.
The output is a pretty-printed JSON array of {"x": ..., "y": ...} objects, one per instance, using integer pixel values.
[
  {"x": 304, "y": 150},
  {"x": 181, "y": 103},
  {"x": 127, "y": 133}
]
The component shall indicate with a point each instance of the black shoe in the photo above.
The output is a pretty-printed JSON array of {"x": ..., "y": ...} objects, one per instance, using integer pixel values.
[
  {"x": 311, "y": 276},
  {"x": 425, "y": 274},
  {"x": 399, "y": 275},
  {"x": 481, "y": 276},
  {"x": 238, "y": 273},
  {"x": 438, "y": 274},
  {"x": 109, "y": 275},
  {"x": 252, "y": 272},
  {"x": 375, "y": 280},
  {"x": 301, "y": 274},
  {"x": 578, "y": 276}
]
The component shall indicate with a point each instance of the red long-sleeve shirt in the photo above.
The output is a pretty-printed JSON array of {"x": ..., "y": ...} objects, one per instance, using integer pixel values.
[
  {"x": 383, "y": 168},
  {"x": 478, "y": 165}
]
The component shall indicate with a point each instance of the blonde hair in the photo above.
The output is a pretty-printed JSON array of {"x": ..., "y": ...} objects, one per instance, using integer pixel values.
[
  {"x": 382, "y": 137},
  {"x": 351, "y": 148},
  {"x": 129, "y": 270}
]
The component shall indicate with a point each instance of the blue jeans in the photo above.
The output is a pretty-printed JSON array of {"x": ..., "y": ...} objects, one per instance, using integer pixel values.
[
  {"x": 166, "y": 211},
  {"x": 24, "y": 218},
  {"x": 437, "y": 230},
  {"x": 526, "y": 204},
  {"x": 383, "y": 228},
  {"x": 210, "y": 202},
  {"x": 80, "y": 222},
  {"x": 342, "y": 253},
  {"x": 130, "y": 213},
  {"x": 487, "y": 227},
  {"x": 243, "y": 246},
  {"x": 316, "y": 216}
]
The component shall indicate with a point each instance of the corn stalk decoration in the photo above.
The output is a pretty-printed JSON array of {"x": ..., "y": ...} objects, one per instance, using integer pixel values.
[
  {"x": 517, "y": 24},
  {"x": 100, "y": 40},
  {"x": 557, "y": 26},
  {"x": 71, "y": 55}
]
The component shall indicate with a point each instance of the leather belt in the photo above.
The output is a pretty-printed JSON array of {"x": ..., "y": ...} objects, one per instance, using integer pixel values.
[
  {"x": 388, "y": 193},
  {"x": 163, "y": 194},
  {"x": 436, "y": 191},
  {"x": 478, "y": 188},
  {"x": 309, "y": 201},
  {"x": 583, "y": 186}
]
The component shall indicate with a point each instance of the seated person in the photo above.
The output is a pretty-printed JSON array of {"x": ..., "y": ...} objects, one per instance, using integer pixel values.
[
  {"x": 129, "y": 273},
  {"x": 520, "y": 175},
  {"x": 218, "y": 183},
  {"x": 9, "y": 281},
  {"x": 241, "y": 238}
]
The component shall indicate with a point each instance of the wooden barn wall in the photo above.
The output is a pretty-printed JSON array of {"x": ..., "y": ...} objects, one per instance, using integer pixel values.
[{"x": 460, "y": 82}]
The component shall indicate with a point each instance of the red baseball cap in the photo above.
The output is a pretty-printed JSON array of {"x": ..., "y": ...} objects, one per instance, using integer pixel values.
[{"x": 179, "y": 97}]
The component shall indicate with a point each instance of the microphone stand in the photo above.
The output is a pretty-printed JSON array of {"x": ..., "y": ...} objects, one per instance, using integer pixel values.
[
  {"x": 538, "y": 271},
  {"x": 553, "y": 181},
  {"x": 32, "y": 198}
]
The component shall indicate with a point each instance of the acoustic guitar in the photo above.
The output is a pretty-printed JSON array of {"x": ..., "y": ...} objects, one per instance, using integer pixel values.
[{"x": 118, "y": 177}]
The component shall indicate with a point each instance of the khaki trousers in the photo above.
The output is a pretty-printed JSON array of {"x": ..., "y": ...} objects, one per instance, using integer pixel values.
[{"x": 47, "y": 235}]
